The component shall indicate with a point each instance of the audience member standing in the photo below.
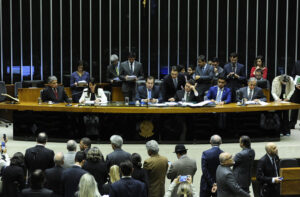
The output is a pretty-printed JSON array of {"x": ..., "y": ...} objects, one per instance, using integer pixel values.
[
  {"x": 71, "y": 176},
  {"x": 96, "y": 166},
  {"x": 39, "y": 157},
  {"x": 36, "y": 186},
  {"x": 183, "y": 166},
  {"x": 113, "y": 70},
  {"x": 268, "y": 172},
  {"x": 204, "y": 75},
  {"x": 243, "y": 163},
  {"x": 179, "y": 189},
  {"x": 157, "y": 167},
  {"x": 296, "y": 96},
  {"x": 85, "y": 144},
  {"x": 127, "y": 186},
  {"x": 53, "y": 175},
  {"x": 218, "y": 70},
  {"x": 114, "y": 176},
  {"x": 259, "y": 64},
  {"x": 209, "y": 164},
  {"x": 139, "y": 173},
  {"x": 87, "y": 187},
  {"x": 226, "y": 182},
  {"x": 118, "y": 155},
  {"x": 70, "y": 155}
]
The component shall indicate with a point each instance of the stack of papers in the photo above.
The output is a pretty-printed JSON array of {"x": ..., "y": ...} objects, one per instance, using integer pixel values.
[{"x": 201, "y": 104}]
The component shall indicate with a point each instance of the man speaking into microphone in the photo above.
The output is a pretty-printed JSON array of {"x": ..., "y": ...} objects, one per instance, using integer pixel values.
[{"x": 53, "y": 92}]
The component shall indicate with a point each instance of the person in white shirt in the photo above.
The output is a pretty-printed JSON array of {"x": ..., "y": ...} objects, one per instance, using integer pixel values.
[{"x": 93, "y": 93}]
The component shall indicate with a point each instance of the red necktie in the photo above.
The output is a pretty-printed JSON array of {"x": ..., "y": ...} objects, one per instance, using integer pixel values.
[{"x": 55, "y": 92}]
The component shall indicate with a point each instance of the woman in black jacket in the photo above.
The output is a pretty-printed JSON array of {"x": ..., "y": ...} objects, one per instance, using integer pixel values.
[{"x": 138, "y": 172}]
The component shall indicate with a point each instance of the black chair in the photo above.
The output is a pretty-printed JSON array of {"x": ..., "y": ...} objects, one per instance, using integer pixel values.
[
  {"x": 288, "y": 163},
  {"x": 17, "y": 86},
  {"x": 108, "y": 95}
]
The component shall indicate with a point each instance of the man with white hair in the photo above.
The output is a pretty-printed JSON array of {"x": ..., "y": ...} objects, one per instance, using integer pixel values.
[
  {"x": 118, "y": 155},
  {"x": 112, "y": 73},
  {"x": 252, "y": 92},
  {"x": 157, "y": 167},
  {"x": 70, "y": 155},
  {"x": 53, "y": 92}
]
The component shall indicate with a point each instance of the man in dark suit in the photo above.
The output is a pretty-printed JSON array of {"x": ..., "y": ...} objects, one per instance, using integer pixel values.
[
  {"x": 171, "y": 83},
  {"x": 127, "y": 186},
  {"x": 39, "y": 157},
  {"x": 113, "y": 70},
  {"x": 53, "y": 175},
  {"x": 189, "y": 94},
  {"x": 235, "y": 74},
  {"x": 85, "y": 144},
  {"x": 191, "y": 72},
  {"x": 251, "y": 93},
  {"x": 209, "y": 164},
  {"x": 218, "y": 70},
  {"x": 130, "y": 71},
  {"x": 268, "y": 172},
  {"x": 118, "y": 155},
  {"x": 226, "y": 182},
  {"x": 71, "y": 176},
  {"x": 244, "y": 163},
  {"x": 149, "y": 92},
  {"x": 296, "y": 96},
  {"x": 36, "y": 186},
  {"x": 219, "y": 94},
  {"x": 204, "y": 75},
  {"x": 54, "y": 92}
]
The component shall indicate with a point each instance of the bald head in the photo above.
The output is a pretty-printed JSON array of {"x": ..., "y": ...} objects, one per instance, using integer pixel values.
[
  {"x": 271, "y": 149},
  {"x": 215, "y": 140},
  {"x": 226, "y": 159},
  {"x": 59, "y": 159}
]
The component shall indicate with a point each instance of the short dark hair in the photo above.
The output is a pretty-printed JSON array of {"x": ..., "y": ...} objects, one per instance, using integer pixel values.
[
  {"x": 180, "y": 67},
  {"x": 149, "y": 78},
  {"x": 17, "y": 159},
  {"x": 259, "y": 57},
  {"x": 215, "y": 59},
  {"x": 245, "y": 140},
  {"x": 126, "y": 168},
  {"x": 131, "y": 54},
  {"x": 82, "y": 63},
  {"x": 37, "y": 179},
  {"x": 174, "y": 68},
  {"x": 192, "y": 67},
  {"x": 191, "y": 81},
  {"x": 42, "y": 138},
  {"x": 80, "y": 156},
  {"x": 233, "y": 54},
  {"x": 92, "y": 80},
  {"x": 202, "y": 58},
  {"x": 86, "y": 141},
  {"x": 222, "y": 78},
  {"x": 259, "y": 70}
]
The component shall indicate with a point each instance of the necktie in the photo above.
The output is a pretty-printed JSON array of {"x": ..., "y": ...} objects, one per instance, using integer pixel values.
[
  {"x": 187, "y": 97},
  {"x": 175, "y": 83},
  {"x": 250, "y": 95},
  {"x": 149, "y": 94},
  {"x": 218, "y": 99},
  {"x": 274, "y": 166},
  {"x": 117, "y": 70},
  {"x": 55, "y": 92},
  {"x": 131, "y": 68}
]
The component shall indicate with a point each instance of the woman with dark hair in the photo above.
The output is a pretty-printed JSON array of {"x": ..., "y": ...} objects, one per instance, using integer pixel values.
[
  {"x": 79, "y": 80},
  {"x": 138, "y": 172},
  {"x": 13, "y": 176},
  {"x": 93, "y": 93},
  {"x": 96, "y": 166},
  {"x": 259, "y": 64}
]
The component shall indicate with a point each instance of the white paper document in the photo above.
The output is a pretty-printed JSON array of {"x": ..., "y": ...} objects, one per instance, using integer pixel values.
[{"x": 201, "y": 104}]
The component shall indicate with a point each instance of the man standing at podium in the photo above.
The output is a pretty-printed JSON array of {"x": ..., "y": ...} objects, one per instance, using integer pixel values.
[{"x": 130, "y": 72}]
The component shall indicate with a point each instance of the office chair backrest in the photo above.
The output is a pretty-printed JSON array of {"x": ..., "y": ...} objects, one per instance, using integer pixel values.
[
  {"x": 2, "y": 90},
  {"x": 17, "y": 86},
  {"x": 288, "y": 163},
  {"x": 107, "y": 94}
]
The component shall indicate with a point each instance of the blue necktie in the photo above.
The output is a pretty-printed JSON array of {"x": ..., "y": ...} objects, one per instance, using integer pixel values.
[
  {"x": 149, "y": 94},
  {"x": 219, "y": 95}
]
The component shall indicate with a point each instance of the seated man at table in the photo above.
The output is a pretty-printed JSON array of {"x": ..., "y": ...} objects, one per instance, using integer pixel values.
[
  {"x": 219, "y": 93},
  {"x": 149, "y": 92},
  {"x": 189, "y": 94},
  {"x": 251, "y": 93},
  {"x": 53, "y": 92}
]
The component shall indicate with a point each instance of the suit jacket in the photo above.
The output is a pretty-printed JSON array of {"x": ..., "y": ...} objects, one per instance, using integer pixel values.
[
  {"x": 220, "y": 73},
  {"x": 111, "y": 72},
  {"x": 87, "y": 97},
  {"x": 209, "y": 163},
  {"x": 243, "y": 167},
  {"x": 265, "y": 173},
  {"x": 116, "y": 157},
  {"x": 167, "y": 87},
  {"x": 48, "y": 95},
  {"x": 141, "y": 175},
  {"x": 127, "y": 187},
  {"x": 276, "y": 88},
  {"x": 234, "y": 83},
  {"x": 13, "y": 181},
  {"x": 69, "y": 159},
  {"x": 53, "y": 180},
  {"x": 227, "y": 185},
  {"x": 213, "y": 91},
  {"x": 125, "y": 70},
  {"x": 206, "y": 77},
  {"x": 257, "y": 94},
  {"x": 37, "y": 193},
  {"x": 192, "y": 98},
  {"x": 142, "y": 93},
  {"x": 70, "y": 180},
  {"x": 39, "y": 157},
  {"x": 157, "y": 167},
  {"x": 183, "y": 166}
]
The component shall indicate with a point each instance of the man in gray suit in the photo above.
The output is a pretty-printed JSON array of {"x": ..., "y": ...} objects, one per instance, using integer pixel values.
[
  {"x": 69, "y": 157},
  {"x": 204, "y": 75},
  {"x": 226, "y": 182},
  {"x": 251, "y": 93},
  {"x": 183, "y": 166},
  {"x": 130, "y": 72},
  {"x": 244, "y": 163}
]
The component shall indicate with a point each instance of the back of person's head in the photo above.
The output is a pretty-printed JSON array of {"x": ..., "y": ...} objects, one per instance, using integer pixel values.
[
  {"x": 71, "y": 145},
  {"x": 284, "y": 78},
  {"x": 136, "y": 160},
  {"x": 88, "y": 186},
  {"x": 94, "y": 155},
  {"x": 17, "y": 159},
  {"x": 245, "y": 140},
  {"x": 215, "y": 140},
  {"x": 114, "y": 173},
  {"x": 126, "y": 168},
  {"x": 59, "y": 159},
  {"x": 80, "y": 156},
  {"x": 86, "y": 141},
  {"x": 42, "y": 138},
  {"x": 152, "y": 147},
  {"x": 116, "y": 140},
  {"x": 184, "y": 189},
  {"x": 37, "y": 179}
]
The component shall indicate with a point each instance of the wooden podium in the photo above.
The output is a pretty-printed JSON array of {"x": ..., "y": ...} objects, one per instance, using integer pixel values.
[{"x": 291, "y": 181}]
